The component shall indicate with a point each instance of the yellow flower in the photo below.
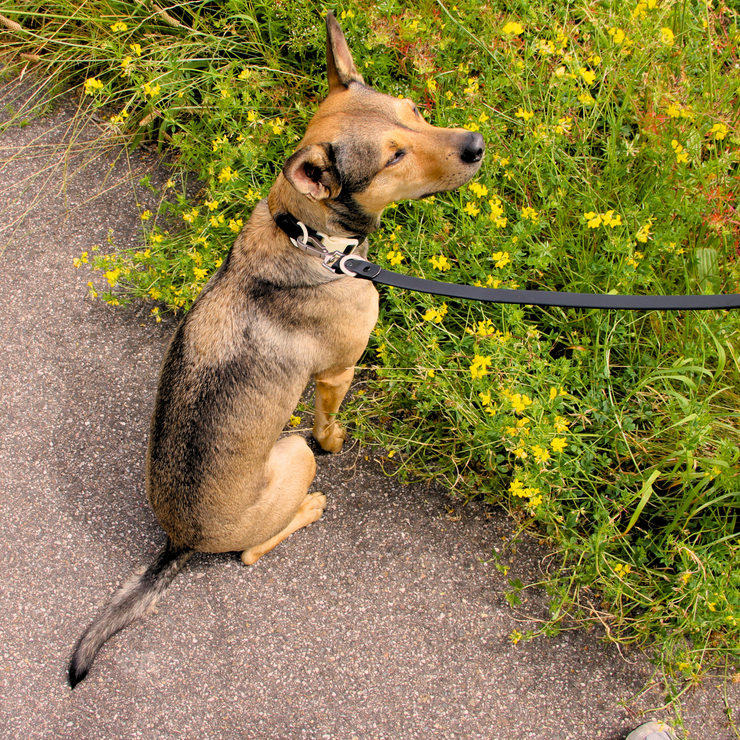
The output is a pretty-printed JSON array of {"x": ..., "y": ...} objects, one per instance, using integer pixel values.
[
  {"x": 226, "y": 175},
  {"x": 112, "y": 276},
  {"x": 295, "y": 420},
  {"x": 673, "y": 110},
  {"x": 151, "y": 90},
  {"x": 497, "y": 212},
  {"x": 719, "y": 130},
  {"x": 622, "y": 570},
  {"x": 561, "y": 425},
  {"x": 81, "y": 260},
  {"x": 479, "y": 366},
  {"x": 512, "y": 28},
  {"x": 480, "y": 191},
  {"x": 119, "y": 26},
  {"x": 435, "y": 315},
  {"x": 544, "y": 47},
  {"x": 199, "y": 273},
  {"x": 644, "y": 232},
  {"x": 471, "y": 209},
  {"x": 666, "y": 36},
  {"x": 617, "y": 34},
  {"x": 610, "y": 219},
  {"x": 593, "y": 220},
  {"x": 588, "y": 75},
  {"x": 564, "y": 126},
  {"x": 395, "y": 258},
  {"x": 92, "y": 85},
  {"x": 541, "y": 455},
  {"x": 525, "y": 114},
  {"x": 431, "y": 85},
  {"x": 278, "y": 126},
  {"x": 126, "y": 61},
  {"x": 529, "y": 213},
  {"x": 136, "y": 48},
  {"x": 440, "y": 263},
  {"x": 520, "y": 401},
  {"x": 681, "y": 155},
  {"x": 558, "y": 444},
  {"x": 516, "y": 487},
  {"x": 501, "y": 259}
]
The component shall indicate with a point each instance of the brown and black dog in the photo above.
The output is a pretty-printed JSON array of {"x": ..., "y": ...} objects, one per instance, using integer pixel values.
[{"x": 220, "y": 477}]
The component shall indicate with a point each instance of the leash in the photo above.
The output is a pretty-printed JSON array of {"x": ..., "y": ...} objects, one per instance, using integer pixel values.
[
  {"x": 345, "y": 263},
  {"x": 361, "y": 268}
]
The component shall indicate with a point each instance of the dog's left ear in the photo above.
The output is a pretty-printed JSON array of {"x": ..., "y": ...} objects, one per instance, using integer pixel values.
[
  {"x": 340, "y": 67},
  {"x": 312, "y": 172}
]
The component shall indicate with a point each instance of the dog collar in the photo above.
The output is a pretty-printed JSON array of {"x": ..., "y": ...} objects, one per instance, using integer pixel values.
[{"x": 330, "y": 248}]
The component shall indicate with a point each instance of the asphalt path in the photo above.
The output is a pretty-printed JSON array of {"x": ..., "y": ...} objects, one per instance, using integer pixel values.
[{"x": 386, "y": 619}]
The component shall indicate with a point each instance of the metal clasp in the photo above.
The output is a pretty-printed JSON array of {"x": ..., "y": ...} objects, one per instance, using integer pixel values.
[{"x": 311, "y": 245}]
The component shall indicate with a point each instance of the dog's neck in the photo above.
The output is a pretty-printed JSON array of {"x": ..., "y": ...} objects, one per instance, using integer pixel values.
[{"x": 285, "y": 199}]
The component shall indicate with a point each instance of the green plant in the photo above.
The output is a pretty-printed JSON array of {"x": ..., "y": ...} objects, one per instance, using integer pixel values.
[{"x": 612, "y": 161}]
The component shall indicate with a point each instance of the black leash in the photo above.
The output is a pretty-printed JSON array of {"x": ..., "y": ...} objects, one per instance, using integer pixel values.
[
  {"x": 361, "y": 268},
  {"x": 345, "y": 263}
]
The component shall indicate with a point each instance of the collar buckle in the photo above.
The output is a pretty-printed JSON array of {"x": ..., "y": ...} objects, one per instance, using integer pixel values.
[{"x": 317, "y": 245}]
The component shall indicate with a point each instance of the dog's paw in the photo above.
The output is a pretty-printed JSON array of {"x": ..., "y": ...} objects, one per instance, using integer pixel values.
[
  {"x": 312, "y": 508},
  {"x": 332, "y": 438}
]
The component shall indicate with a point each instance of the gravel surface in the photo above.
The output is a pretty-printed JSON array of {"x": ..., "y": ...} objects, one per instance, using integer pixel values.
[{"x": 386, "y": 619}]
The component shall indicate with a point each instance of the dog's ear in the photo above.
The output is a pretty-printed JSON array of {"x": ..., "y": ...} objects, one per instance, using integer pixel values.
[
  {"x": 312, "y": 172},
  {"x": 340, "y": 67}
]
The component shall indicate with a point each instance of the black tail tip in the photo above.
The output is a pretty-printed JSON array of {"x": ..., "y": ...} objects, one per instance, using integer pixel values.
[{"x": 75, "y": 674}]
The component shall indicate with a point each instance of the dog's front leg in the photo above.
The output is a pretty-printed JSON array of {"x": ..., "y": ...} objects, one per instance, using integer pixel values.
[{"x": 330, "y": 390}]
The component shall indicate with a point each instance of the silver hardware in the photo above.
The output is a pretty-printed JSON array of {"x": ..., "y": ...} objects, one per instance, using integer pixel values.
[{"x": 316, "y": 247}]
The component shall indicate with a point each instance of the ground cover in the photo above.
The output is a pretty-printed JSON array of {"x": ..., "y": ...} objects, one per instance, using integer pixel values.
[{"x": 612, "y": 165}]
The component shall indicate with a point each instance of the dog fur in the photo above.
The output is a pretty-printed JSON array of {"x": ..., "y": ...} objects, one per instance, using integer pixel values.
[{"x": 219, "y": 476}]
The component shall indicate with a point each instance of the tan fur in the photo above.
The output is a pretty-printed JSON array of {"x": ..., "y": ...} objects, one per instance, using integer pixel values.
[
  {"x": 219, "y": 476},
  {"x": 246, "y": 498}
]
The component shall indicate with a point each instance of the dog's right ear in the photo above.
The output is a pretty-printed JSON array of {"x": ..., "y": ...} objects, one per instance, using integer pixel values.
[
  {"x": 313, "y": 173},
  {"x": 340, "y": 66}
]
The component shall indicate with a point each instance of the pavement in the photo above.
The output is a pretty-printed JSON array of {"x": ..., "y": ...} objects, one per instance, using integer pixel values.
[{"x": 385, "y": 620}]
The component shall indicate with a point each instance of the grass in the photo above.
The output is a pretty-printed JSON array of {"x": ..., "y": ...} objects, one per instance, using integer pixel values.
[{"x": 612, "y": 165}]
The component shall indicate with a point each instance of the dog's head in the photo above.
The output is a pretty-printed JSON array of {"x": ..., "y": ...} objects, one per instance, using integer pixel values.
[{"x": 364, "y": 150}]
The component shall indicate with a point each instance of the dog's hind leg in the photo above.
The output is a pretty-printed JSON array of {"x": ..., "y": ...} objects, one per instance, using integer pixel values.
[
  {"x": 330, "y": 391},
  {"x": 291, "y": 468}
]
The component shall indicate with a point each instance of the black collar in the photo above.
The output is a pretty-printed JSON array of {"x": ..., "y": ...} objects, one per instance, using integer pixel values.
[{"x": 302, "y": 236}]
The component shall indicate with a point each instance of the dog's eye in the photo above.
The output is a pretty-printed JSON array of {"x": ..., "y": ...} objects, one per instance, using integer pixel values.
[{"x": 397, "y": 157}]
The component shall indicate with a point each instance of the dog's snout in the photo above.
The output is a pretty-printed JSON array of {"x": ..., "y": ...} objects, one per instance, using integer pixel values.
[{"x": 472, "y": 148}]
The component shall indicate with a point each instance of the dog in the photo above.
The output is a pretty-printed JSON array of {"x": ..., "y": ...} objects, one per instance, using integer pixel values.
[{"x": 219, "y": 476}]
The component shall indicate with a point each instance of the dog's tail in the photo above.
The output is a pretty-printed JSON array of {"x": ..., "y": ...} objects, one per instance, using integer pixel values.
[{"x": 130, "y": 603}]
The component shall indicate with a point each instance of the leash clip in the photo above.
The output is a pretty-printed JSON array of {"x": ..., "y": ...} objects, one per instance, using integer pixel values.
[{"x": 317, "y": 247}]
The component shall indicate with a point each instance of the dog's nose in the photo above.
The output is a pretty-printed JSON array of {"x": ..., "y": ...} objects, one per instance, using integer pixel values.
[{"x": 473, "y": 148}]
